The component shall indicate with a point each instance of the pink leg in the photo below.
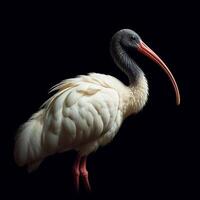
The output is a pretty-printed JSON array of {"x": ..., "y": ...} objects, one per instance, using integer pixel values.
[
  {"x": 76, "y": 172},
  {"x": 84, "y": 173}
]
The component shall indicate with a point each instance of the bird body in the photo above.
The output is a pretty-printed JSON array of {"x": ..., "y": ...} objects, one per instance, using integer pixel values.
[{"x": 86, "y": 112}]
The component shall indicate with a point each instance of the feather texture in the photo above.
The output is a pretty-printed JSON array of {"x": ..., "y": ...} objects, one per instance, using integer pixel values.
[
  {"x": 28, "y": 141},
  {"x": 86, "y": 112}
]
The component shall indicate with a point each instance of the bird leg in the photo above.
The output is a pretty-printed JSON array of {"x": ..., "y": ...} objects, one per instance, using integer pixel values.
[
  {"x": 84, "y": 173},
  {"x": 76, "y": 172}
]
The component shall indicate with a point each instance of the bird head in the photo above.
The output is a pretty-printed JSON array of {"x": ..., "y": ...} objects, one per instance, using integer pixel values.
[{"x": 129, "y": 39}]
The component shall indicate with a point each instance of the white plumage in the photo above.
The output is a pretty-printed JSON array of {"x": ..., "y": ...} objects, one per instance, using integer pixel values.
[{"x": 85, "y": 113}]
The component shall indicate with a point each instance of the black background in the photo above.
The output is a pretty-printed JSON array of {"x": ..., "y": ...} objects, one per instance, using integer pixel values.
[{"x": 154, "y": 153}]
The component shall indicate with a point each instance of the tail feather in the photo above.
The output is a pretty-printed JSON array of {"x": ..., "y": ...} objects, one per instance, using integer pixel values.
[{"x": 28, "y": 150}]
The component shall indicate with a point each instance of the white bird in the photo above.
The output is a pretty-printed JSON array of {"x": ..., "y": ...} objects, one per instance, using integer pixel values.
[{"x": 87, "y": 111}]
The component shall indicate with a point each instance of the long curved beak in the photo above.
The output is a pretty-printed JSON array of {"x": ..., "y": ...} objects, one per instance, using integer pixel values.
[{"x": 144, "y": 49}]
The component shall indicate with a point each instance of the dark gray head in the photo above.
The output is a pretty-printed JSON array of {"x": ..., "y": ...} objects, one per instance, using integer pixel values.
[{"x": 125, "y": 40}]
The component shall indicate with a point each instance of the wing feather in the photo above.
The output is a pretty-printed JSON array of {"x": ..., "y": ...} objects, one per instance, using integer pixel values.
[{"x": 83, "y": 110}]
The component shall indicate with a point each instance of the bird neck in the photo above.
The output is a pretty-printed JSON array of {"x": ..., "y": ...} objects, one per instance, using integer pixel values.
[
  {"x": 138, "y": 83},
  {"x": 123, "y": 60}
]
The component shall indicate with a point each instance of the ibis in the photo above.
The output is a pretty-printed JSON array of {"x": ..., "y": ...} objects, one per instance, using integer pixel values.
[{"x": 86, "y": 112}]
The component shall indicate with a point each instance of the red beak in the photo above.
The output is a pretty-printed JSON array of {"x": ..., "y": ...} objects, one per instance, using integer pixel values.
[{"x": 144, "y": 49}]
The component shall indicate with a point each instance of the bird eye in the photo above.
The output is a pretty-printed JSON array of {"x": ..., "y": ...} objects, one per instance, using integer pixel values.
[{"x": 133, "y": 38}]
